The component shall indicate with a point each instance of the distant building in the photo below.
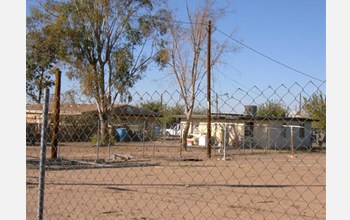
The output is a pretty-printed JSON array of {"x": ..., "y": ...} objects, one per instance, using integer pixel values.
[
  {"x": 80, "y": 121},
  {"x": 251, "y": 131}
]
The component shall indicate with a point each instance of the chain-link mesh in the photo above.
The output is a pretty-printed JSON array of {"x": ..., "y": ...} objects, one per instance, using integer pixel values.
[{"x": 130, "y": 165}]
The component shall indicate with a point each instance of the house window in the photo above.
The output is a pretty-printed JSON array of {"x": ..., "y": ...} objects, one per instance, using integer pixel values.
[
  {"x": 249, "y": 129},
  {"x": 302, "y": 130}
]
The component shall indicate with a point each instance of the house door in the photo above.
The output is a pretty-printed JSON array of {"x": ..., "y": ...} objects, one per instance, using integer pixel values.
[{"x": 273, "y": 135}]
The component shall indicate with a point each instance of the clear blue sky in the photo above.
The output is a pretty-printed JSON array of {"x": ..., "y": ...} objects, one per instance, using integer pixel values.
[{"x": 290, "y": 32}]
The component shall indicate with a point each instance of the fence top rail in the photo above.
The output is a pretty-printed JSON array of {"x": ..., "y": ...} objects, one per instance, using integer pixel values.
[{"x": 242, "y": 116}]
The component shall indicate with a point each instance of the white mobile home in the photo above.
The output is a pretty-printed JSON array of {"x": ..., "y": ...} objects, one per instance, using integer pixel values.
[{"x": 252, "y": 131}]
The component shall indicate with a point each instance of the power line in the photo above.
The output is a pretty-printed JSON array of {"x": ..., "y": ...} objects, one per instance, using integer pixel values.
[
  {"x": 237, "y": 83},
  {"x": 252, "y": 49},
  {"x": 276, "y": 61}
]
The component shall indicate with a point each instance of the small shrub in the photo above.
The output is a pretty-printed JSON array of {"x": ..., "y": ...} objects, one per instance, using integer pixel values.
[{"x": 97, "y": 139}]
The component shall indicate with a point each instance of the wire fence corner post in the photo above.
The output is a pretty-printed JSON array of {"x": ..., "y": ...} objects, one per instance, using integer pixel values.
[{"x": 43, "y": 154}]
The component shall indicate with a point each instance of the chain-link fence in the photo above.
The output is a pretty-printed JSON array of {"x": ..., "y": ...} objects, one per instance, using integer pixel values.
[{"x": 267, "y": 160}]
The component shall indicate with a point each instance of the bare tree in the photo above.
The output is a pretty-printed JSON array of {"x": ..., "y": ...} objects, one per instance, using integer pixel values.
[{"x": 187, "y": 52}]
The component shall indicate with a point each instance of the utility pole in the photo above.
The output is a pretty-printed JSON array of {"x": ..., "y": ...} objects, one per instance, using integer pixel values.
[
  {"x": 208, "y": 95},
  {"x": 56, "y": 116}
]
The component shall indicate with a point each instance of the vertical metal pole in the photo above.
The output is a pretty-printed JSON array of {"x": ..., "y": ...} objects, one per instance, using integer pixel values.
[
  {"x": 181, "y": 139},
  {"x": 43, "y": 155},
  {"x": 143, "y": 139},
  {"x": 164, "y": 125},
  {"x": 109, "y": 139},
  {"x": 109, "y": 149},
  {"x": 267, "y": 139},
  {"x": 217, "y": 105},
  {"x": 98, "y": 139},
  {"x": 275, "y": 147},
  {"x": 244, "y": 145},
  {"x": 56, "y": 116},
  {"x": 180, "y": 133},
  {"x": 225, "y": 142},
  {"x": 208, "y": 95},
  {"x": 154, "y": 150},
  {"x": 58, "y": 150},
  {"x": 250, "y": 146},
  {"x": 215, "y": 135},
  {"x": 292, "y": 140},
  {"x": 216, "y": 120}
]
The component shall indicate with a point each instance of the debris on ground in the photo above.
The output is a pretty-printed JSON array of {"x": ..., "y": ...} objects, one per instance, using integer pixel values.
[{"x": 118, "y": 157}]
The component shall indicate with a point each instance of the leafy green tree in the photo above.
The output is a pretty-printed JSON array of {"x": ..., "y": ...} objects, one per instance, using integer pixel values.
[
  {"x": 315, "y": 108},
  {"x": 167, "y": 110},
  {"x": 200, "y": 111},
  {"x": 272, "y": 108},
  {"x": 41, "y": 55},
  {"x": 107, "y": 44},
  {"x": 71, "y": 96},
  {"x": 155, "y": 106}
]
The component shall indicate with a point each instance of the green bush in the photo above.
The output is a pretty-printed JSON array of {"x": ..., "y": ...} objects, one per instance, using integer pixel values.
[{"x": 97, "y": 139}]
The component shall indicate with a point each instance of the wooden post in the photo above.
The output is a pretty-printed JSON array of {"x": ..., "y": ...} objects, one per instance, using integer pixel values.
[
  {"x": 292, "y": 136},
  {"x": 208, "y": 96},
  {"x": 56, "y": 116}
]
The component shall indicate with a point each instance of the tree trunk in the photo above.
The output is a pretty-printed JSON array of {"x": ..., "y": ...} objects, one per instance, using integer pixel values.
[
  {"x": 185, "y": 135},
  {"x": 104, "y": 134},
  {"x": 186, "y": 129}
]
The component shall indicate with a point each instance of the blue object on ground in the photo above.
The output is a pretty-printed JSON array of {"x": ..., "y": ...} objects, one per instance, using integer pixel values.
[{"x": 122, "y": 134}]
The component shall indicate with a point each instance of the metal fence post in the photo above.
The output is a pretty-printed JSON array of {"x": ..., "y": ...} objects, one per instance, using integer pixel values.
[
  {"x": 98, "y": 140},
  {"x": 154, "y": 150},
  {"x": 224, "y": 150},
  {"x": 43, "y": 155},
  {"x": 143, "y": 139}
]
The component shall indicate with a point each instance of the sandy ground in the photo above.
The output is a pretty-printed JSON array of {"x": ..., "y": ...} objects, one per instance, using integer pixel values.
[{"x": 157, "y": 184}]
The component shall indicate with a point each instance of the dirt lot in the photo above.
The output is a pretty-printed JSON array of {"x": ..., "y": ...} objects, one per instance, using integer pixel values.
[{"x": 158, "y": 184}]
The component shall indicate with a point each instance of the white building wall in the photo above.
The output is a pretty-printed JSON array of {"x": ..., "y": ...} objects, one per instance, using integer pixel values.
[
  {"x": 270, "y": 135},
  {"x": 266, "y": 133}
]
